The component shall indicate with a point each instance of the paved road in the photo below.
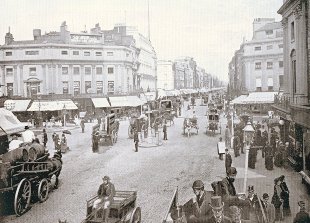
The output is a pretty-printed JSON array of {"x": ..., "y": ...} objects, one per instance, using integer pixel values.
[{"x": 153, "y": 172}]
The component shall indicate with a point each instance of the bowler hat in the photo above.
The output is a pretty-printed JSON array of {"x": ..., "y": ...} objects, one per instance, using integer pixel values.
[
  {"x": 106, "y": 178},
  {"x": 302, "y": 204},
  {"x": 251, "y": 188},
  {"x": 265, "y": 196},
  {"x": 216, "y": 202},
  {"x": 231, "y": 171},
  {"x": 198, "y": 184}
]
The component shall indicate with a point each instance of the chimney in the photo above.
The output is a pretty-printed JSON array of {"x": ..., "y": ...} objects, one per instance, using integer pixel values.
[
  {"x": 8, "y": 38},
  {"x": 36, "y": 34}
]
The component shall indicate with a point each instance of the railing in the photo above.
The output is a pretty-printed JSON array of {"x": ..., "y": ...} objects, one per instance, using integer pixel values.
[{"x": 282, "y": 102}]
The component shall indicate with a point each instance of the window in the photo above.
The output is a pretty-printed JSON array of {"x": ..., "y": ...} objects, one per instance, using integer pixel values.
[
  {"x": 9, "y": 87},
  {"x": 269, "y": 47},
  {"x": 87, "y": 70},
  {"x": 259, "y": 89},
  {"x": 9, "y": 71},
  {"x": 280, "y": 64},
  {"x": 65, "y": 70},
  {"x": 87, "y": 87},
  {"x": 76, "y": 53},
  {"x": 110, "y": 86},
  {"x": 269, "y": 32},
  {"x": 98, "y": 70},
  {"x": 98, "y": 53},
  {"x": 258, "y": 84},
  {"x": 109, "y": 53},
  {"x": 110, "y": 70},
  {"x": 8, "y": 54},
  {"x": 64, "y": 52},
  {"x": 99, "y": 86},
  {"x": 86, "y": 53},
  {"x": 65, "y": 87},
  {"x": 76, "y": 87},
  {"x": 269, "y": 65},
  {"x": 292, "y": 31},
  {"x": 258, "y": 65},
  {"x": 270, "y": 81},
  {"x": 280, "y": 46},
  {"x": 294, "y": 76},
  {"x": 258, "y": 48},
  {"x": 32, "y": 71},
  {"x": 281, "y": 81},
  {"x": 76, "y": 70},
  {"x": 32, "y": 52}
]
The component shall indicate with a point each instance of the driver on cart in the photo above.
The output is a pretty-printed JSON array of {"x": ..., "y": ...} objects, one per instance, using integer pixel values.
[{"x": 105, "y": 194}]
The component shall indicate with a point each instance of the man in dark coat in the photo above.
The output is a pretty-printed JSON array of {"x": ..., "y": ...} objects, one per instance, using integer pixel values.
[
  {"x": 252, "y": 156},
  {"x": 268, "y": 157},
  {"x": 264, "y": 142},
  {"x": 228, "y": 160},
  {"x": 217, "y": 209},
  {"x": 253, "y": 211},
  {"x": 197, "y": 209},
  {"x": 44, "y": 138},
  {"x": 165, "y": 131},
  {"x": 302, "y": 216},
  {"x": 82, "y": 125},
  {"x": 236, "y": 144},
  {"x": 136, "y": 139}
]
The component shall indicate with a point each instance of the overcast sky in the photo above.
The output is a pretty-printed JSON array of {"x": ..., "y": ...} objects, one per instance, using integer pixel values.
[{"x": 209, "y": 31}]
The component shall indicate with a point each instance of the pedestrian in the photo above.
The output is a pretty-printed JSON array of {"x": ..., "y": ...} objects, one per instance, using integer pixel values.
[
  {"x": 228, "y": 160},
  {"x": 197, "y": 209},
  {"x": 82, "y": 125},
  {"x": 96, "y": 138},
  {"x": 264, "y": 142},
  {"x": 220, "y": 146},
  {"x": 136, "y": 140},
  {"x": 252, "y": 156},
  {"x": 277, "y": 200},
  {"x": 302, "y": 216},
  {"x": 57, "y": 143},
  {"x": 218, "y": 211},
  {"x": 285, "y": 195},
  {"x": 236, "y": 144},
  {"x": 165, "y": 131},
  {"x": 44, "y": 138},
  {"x": 269, "y": 209},
  {"x": 235, "y": 215},
  {"x": 278, "y": 160},
  {"x": 64, "y": 146},
  {"x": 227, "y": 137},
  {"x": 253, "y": 210},
  {"x": 268, "y": 157}
]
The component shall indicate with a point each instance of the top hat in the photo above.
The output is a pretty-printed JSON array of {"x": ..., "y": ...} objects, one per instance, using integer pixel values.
[
  {"x": 231, "y": 171},
  {"x": 216, "y": 202},
  {"x": 281, "y": 178},
  {"x": 106, "y": 178},
  {"x": 251, "y": 188}
]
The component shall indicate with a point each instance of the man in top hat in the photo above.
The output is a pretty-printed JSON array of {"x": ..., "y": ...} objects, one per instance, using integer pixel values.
[
  {"x": 228, "y": 160},
  {"x": 197, "y": 209},
  {"x": 302, "y": 216},
  {"x": 136, "y": 139},
  {"x": 28, "y": 135},
  {"x": 105, "y": 194},
  {"x": 252, "y": 211},
  {"x": 269, "y": 210},
  {"x": 230, "y": 196},
  {"x": 217, "y": 208}
]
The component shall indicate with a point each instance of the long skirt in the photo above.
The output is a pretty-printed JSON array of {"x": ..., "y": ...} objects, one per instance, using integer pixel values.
[{"x": 269, "y": 162}]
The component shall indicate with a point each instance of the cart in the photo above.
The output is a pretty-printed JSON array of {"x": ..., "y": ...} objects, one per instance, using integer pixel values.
[
  {"x": 189, "y": 124},
  {"x": 122, "y": 210},
  {"x": 213, "y": 122},
  {"x": 28, "y": 181}
]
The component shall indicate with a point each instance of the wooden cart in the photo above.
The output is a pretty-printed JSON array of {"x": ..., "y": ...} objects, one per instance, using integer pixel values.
[
  {"x": 213, "y": 122},
  {"x": 123, "y": 209}
]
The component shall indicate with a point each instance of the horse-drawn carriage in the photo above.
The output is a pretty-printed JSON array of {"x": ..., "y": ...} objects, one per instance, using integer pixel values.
[
  {"x": 122, "y": 210},
  {"x": 106, "y": 132},
  {"x": 189, "y": 124},
  {"x": 27, "y": 174},
  {"x": 213, "y": 122}
]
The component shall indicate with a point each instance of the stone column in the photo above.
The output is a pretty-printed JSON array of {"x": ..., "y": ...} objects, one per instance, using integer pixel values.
[
  {"x": 15, "y": 83},
  {"x": 93, "y": 77},
  {"x": 2, "y": 82},
  {"x": 286, "y": 58},
  {"x": 60, "y": 78},
  {"x": 82, "y": 79},
  {"x": 70, "y": 73},
  {"x": 21, "y": 81},
  {"x": 50, "y": 78}
]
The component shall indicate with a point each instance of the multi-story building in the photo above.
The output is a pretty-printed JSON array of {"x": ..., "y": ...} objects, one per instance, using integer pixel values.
[
  {"x": 293, "y": 106},
  {"x": 165, "y": 75},
  {"x": 75, "y": 63},
  {"x": 179, "y": 71},
  {"x": 190, "y": 74},
  {"x": 262, "y": 57},
  {"x": 235, "y": 73}
]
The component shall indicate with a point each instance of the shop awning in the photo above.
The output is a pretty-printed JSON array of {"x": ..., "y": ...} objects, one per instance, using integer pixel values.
[
  {"x": 100, "y": 102},
  {"x": 9, "y": 123},
  {"x": 260, "y": 98},
  {"x": 19, "y": 105},
  {"x": 239, "y": 100},
  {"x": 125, "y": 101},
  {"x": 57, "y": 105}
]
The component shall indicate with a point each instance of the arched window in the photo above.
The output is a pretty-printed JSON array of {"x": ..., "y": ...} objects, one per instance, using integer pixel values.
[{"x": 293, "y": 70}]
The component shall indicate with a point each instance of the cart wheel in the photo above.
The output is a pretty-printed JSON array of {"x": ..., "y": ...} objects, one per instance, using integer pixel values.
[
  {"x": 43, "y": 190},
  {"x": 136, "y": 215},
  {"x": 22, "y": 197}
]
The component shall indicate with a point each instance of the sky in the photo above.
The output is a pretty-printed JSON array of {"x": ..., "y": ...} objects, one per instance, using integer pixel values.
[{"x": 209, "y": 31}]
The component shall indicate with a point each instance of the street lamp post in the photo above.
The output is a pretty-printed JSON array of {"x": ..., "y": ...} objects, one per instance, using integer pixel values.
[{"x": 248, "y": 135}]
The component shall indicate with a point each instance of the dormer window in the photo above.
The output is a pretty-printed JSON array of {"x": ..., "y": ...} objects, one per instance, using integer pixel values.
[{"x": 269, "y": 32}]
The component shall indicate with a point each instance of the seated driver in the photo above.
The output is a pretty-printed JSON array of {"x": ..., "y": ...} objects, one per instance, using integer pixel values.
[{"x": 105, "y": 194}]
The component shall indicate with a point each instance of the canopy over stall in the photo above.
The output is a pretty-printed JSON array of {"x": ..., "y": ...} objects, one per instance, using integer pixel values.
[
  {"x": 9, "y": 123},
  {"x": 239, "y": 100},
  {"x": 260, "y": 98},
  {"x": 126, "y": 101},
  {"x": 19, "y": 105},
  {"x": 101, "y": 102},
  {"x": 52, "y": 105}
]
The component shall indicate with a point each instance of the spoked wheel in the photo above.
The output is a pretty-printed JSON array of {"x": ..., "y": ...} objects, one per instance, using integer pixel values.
[
  {"x": 43, "y": 190},
  {"x": 136, "y": 216},
  {"x": 22, "y": 197}
]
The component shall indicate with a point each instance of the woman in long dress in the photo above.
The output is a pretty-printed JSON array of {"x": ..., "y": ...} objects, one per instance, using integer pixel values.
[
  {"x": 285, "y": 195},
  {"x": 277, "y": 200}
]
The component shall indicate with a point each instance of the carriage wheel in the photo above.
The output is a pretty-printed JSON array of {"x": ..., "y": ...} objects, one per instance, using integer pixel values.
[
  {"x": 136, "y": 215},
  {"x": 22, "y": 197},
  {"x": 43, "y": 190}
]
